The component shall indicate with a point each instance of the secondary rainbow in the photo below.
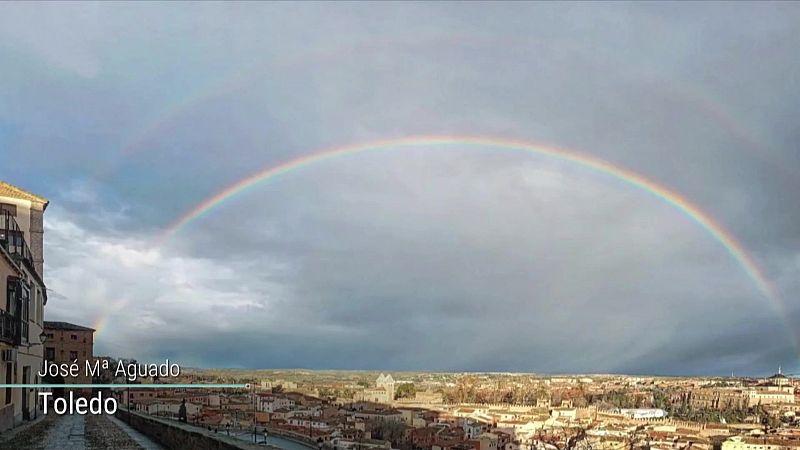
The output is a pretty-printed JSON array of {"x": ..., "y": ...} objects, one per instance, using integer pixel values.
[
  {"x": 240, "y": 77},
  {"x": 717, "y": 231}
]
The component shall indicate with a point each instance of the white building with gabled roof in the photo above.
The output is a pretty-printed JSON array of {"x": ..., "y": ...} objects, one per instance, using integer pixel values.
[{"x": 387, "y": 382}]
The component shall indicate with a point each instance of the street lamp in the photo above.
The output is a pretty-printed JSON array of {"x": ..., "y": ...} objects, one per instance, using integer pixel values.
[{"x": 255, "y": 429}]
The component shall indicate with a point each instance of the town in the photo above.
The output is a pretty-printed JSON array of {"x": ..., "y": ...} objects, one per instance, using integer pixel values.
[
  {"x": 351, "y": 410},
  {"x": 399, "y": 225},
  {"x": 354, "y": 410},
  {"x": 361, "y": 410}
]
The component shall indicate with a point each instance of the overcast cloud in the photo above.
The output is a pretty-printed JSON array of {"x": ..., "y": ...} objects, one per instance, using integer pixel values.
[{"x": 460, "y": 258}]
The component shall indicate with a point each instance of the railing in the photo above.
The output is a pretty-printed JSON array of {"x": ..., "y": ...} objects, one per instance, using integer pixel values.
[
  {"x": 12, "y": 238},
  {"x": 8, "y": 327}
]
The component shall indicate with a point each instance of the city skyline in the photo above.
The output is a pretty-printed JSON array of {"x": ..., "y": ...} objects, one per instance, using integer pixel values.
[{"x": 453, "y": 256}]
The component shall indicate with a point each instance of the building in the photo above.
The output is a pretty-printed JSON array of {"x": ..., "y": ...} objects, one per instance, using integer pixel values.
[
  {"x": 271, "y": 403},
  {"x": 770, "y": 395},
  {"x": 375, "y": 395},
  {"x": 644, "y": 413},
  {"x": 718, "y": 398},
  {"x": 757, "y": 443},
  {"x": 169, "y": 407},
  {"x": 383, "y": 392},
  {"x": 486, "y": 441},
  {"x": 24, "y": 298},
  {"x": 386, "y": 382},
  {"x": 472, "y": 429},
  {"x": 68, "y": 343},
  {"x": 9, "y": 342},
  {"x": 308, "y": 423},
  {"x": 779, "y": 379}
]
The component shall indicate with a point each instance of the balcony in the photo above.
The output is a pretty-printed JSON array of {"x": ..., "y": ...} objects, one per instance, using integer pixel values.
[
  {"x": 13, "y": 240},
  {"x": 8, "y": 328}
]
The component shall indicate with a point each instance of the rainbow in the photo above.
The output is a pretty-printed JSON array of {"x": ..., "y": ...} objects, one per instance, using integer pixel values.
[
  {"x": 705, "y": 221},
  {"x": 101, "y": 322},
  {"x": 239, "y": 78}
]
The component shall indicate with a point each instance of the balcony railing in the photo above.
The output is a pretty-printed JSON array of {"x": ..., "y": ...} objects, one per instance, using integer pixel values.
[
  {"x": 8, "y": 328},
  {"x": 12, "y": 238}
]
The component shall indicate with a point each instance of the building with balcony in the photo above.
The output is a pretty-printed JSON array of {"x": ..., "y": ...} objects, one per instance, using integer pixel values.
[{"x": 23, "y": 299}]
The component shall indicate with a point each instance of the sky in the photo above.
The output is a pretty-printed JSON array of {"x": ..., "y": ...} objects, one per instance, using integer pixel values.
[{"x": 432, "y": 257}]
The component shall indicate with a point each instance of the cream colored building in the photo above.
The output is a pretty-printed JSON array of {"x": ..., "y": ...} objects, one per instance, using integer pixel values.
[
  {"x": 387, "y": 382},
  {"x": 375, "y": 395},
  {"x": 754, "y": 443},
  {"x": 21, "y": 245},
  {"x": 487, "y": 441},
  {"x": 383, "y": 392},
  {"x": 770, "y": 395}
]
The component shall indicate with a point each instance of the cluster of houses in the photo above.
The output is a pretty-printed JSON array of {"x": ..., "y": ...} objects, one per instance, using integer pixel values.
[{"x": 359, "y": 423}]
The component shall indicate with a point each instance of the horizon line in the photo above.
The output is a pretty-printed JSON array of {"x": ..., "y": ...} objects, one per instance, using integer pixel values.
[
  {"x": 498, "y": 372},
  {"x": 125, "y": 386}
]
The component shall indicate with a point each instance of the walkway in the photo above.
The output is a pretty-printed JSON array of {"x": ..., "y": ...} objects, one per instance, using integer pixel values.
[
  {"x": 142, "y": 440},
  {"x": 75, "y": 432},
  {"x": 68, "y": 433}
]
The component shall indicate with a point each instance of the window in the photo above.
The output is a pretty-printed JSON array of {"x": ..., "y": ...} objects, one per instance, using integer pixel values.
[
  {"x": 9, "y": 208},
  {"x": 74, "y": 337},
  {"x": 32, "y": 312},
  {"x": 18, "y": 304},
  {"x": 14, "y": 241},
  {"x": 73, "y": 356},
  {"x": 26, "y": 309},
  {"x": 39, "y": 306},
  {"x": 50, "y": 353},
  {"x": 9, "y": 371},
  {"x": 11, "y": 297}
]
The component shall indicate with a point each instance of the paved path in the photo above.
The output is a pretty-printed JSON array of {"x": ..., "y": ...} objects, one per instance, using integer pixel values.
[
  {"x": 142, "y": 440},
  {"x": 76, "y": 432},
  {"x": 68, "y": 433}
]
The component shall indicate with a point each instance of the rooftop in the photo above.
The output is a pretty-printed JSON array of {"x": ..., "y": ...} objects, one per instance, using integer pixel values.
[
  {"x": 9, "y": 190},
  {"x": 65, "y": 326},
  {"x": 778, "y": 376}
]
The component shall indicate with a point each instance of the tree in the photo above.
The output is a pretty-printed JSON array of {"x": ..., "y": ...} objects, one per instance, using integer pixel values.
[
  {"x": 388, "y": 430},
  {"x": 405, "y": 390}
]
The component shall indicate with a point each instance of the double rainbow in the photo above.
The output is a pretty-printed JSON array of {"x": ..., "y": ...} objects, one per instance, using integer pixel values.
[{"x": 704, "y": 220}]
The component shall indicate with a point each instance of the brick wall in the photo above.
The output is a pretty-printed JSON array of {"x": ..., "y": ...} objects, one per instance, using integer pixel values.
[{"x": 68, "y": 343}]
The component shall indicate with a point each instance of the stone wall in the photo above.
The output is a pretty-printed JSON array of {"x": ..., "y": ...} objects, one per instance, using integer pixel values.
[
  {"x": 177, "y": 436},
  {"x": 36, "y": 238},
  {"x": 293, "y": 436},
  {"x": 6, "y": 417}
]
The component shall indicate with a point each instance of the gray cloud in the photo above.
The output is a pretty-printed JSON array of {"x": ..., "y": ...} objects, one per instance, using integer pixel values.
[{"x": 426, "y": 258}]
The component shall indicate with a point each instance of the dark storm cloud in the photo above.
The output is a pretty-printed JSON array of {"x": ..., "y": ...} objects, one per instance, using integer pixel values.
[{"x": 458, "y": 259}]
